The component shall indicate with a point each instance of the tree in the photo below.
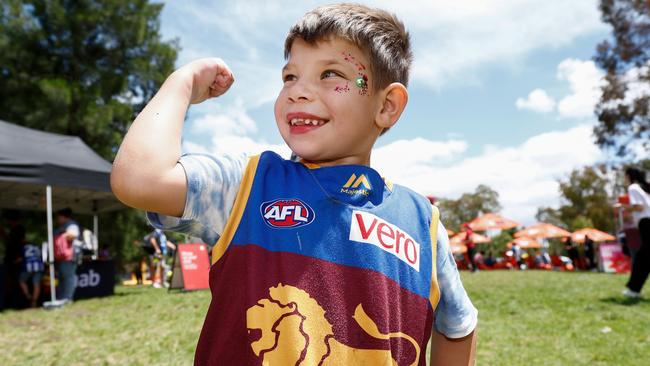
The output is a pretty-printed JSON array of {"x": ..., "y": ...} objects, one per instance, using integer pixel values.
[
  {"x": 584, "y": 201},
  {"x": 466, "y": 208},
  {"x": 624, "y": 108},
  {"x": 84, "y": 68},
  {"x": 81, "y": 67}
]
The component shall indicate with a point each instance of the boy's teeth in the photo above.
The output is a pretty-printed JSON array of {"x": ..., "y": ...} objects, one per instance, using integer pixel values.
[{"x": 301, "y": 121}]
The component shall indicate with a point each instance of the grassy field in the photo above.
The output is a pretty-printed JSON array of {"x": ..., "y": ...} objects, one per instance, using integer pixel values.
[{"x": 525, "y": 318}]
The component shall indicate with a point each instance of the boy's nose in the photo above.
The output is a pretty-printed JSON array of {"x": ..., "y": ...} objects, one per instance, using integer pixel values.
[{"x": 300, "y": 92}]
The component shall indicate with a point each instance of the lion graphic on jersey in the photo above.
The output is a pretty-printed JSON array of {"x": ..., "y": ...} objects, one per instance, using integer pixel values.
[{"x": 294, "y": 331}]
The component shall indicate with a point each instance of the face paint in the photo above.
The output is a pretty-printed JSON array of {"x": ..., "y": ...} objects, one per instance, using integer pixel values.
[
  {"x": 342, "y": 89},
  {"x": 362, "y": 81}
]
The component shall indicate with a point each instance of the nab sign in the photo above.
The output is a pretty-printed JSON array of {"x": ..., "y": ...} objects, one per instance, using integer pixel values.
[
  {"x": 287, "y": 213},
  {"x": 95, "y": 279}
]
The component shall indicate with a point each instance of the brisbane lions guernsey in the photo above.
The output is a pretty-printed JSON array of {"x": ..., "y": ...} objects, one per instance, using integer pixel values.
[{"x": 320, "y": 266}]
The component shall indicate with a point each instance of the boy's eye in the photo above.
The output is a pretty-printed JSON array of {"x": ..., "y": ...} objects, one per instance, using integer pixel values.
[
  {"x": 330, "y": 74},
  {"x": 288, "y": 77}
]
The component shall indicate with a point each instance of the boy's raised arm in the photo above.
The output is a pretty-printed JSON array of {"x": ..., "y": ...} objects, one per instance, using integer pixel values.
[{"x": 146, "y": 173}]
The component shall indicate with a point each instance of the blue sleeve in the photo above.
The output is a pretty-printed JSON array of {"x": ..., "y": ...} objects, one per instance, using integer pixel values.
[
  {"x": 212, "y": 185},
  {"x": 455, "y": 316}
]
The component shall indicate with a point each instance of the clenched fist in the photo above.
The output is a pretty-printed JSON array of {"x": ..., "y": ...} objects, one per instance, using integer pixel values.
[{"x": 206, "y": 78}]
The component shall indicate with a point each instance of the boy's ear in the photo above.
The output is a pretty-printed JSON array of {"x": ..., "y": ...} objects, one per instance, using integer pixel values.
[{"x": 395, "y": 96}]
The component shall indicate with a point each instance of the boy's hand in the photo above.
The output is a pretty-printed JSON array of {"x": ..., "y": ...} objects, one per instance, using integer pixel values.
[{"x": 209, "y": 77}]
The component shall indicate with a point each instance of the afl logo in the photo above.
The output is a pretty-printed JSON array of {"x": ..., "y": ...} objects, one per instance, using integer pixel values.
[{"x": 287, "y": 213}]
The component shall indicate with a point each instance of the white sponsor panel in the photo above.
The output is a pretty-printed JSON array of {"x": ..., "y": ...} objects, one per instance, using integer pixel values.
[{"x": 368, "y": 228}]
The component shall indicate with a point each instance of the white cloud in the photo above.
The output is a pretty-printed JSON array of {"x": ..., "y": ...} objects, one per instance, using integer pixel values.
[
  {"x": 537, "y": 101},
  {"x": 585, "y": 81},
  {"x": 234, "y": 120},
  {"x": 525, "y": 176},
  {"x": 454, "y": 41}
]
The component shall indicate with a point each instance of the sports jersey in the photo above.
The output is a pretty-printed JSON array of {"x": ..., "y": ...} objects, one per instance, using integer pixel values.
[
  {"x": 32, "y": 259},
  {"x": 324, "y": 264}
]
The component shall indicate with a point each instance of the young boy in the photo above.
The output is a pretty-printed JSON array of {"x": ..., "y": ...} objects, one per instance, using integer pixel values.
[
  {"x": 31, "y": 271},
  {"x": 319, "y": 261}
]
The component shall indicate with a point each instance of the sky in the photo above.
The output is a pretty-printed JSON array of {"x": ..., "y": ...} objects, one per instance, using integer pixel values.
[{"x": 501, "y": 92}]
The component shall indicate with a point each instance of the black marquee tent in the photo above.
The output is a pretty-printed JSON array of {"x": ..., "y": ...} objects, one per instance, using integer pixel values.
[{"x": 46, "y": 171}]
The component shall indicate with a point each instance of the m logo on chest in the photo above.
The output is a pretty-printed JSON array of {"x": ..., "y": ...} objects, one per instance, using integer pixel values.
[
  {"x": 368, "y": 228},
  {"x": 287, "y": 213}
]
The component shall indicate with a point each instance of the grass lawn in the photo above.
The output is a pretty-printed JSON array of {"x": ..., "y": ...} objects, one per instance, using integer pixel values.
[{"x": 525, "y": 318}]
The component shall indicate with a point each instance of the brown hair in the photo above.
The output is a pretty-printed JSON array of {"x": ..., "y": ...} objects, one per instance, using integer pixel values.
[{"x": 377, "y": 33}]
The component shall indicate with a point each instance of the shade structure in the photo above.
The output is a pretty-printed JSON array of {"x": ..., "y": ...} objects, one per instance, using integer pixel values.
[
  {"x": 492, "y": 221},
  {"x": 476, "y": 238},
  {"x": 30, "y": 160},
  {"x": 47, "y": 171},
  {"x": 542, "y": 230},
  {"x": 525, "y": 242},
  {"x": 594, "y": 234}
]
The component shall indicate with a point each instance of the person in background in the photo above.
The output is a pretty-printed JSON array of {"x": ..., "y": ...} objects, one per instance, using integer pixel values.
[
  {"x": 66, "y": 237},
  {"x": 490, "y": 260},
  {"x": 590, "y": 253},
  {"x": 572, "y": 251},
  {"x": 471, "y": 246},
  {"x": 516, "y": 253},
  {"x": 13, "y": 239},
  {"x": 157, "y": 241},
  {"x": 479, "y": 259},
  {"x": 31, "y": 271},
  {"x": 639, "y": 192}
]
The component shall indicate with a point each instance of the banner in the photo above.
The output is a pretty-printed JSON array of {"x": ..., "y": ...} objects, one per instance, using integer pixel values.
[
  {"x": 612, "y": 259},
  {"x": 95, "y": 279},
  {"x": 191, "y": 269}
]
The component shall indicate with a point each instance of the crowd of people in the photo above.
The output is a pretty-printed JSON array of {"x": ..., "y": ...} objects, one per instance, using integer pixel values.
[
  {"x": 24, "y": 260},
  {"x": 635, "y": 239}
]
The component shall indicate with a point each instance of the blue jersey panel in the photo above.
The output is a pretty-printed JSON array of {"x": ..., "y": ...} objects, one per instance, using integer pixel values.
[{"x": 342, "y": 214}]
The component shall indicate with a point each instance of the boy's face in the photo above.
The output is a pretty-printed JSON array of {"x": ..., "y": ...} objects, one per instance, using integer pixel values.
[{"x": 327, "y": 107}]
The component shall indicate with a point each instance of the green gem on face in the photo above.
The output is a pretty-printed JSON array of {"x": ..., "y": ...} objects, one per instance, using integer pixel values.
[{"x": 360, "y": 82}]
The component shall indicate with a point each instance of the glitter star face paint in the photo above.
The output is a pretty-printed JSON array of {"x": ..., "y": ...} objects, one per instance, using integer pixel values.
[
  {"x": 362, "y": 78},
  {"x": 342, "y": 89}
]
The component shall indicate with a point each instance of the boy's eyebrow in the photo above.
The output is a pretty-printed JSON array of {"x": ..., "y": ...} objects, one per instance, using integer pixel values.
[{"x": 325, "y": 62}]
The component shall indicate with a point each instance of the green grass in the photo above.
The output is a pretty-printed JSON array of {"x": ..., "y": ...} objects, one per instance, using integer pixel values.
[{"x": 525, "y": 318}]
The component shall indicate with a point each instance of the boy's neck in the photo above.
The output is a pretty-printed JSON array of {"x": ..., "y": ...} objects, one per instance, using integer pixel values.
[{"x": 347, "y": 160}]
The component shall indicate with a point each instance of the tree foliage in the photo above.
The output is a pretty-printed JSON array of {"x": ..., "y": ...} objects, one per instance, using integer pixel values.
[
  {"x": 584, "y": 202},
  {"x": 466, "y": 208},
  {"x": 84, "y": 68},
  {"x": 81, "y": 67},
  {"x": 624, "y": 108}
]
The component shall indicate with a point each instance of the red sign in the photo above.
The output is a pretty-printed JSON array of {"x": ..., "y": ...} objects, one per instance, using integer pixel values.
[
  {"x": 191, "y": 267},
  {"x": 612, "y": 258}
]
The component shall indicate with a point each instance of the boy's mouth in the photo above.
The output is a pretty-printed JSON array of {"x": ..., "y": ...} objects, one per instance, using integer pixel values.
[{"x": 300, "y": 122}]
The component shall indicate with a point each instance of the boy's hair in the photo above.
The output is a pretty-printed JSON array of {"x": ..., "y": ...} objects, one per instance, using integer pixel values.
[{"x": 375, "y": 32}]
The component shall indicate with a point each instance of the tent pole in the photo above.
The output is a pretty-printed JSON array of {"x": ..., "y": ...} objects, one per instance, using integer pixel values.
[
  {"x": 50, "y": 241},
  {"x": 96, "y": 233}
]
